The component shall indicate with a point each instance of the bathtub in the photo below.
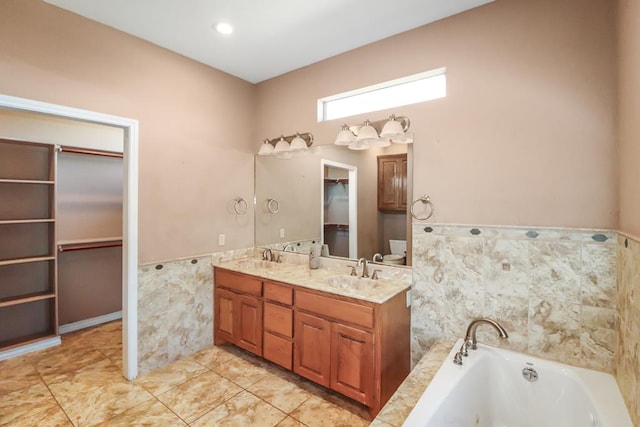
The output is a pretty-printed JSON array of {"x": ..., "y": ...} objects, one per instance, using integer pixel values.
[{"x": 489, "y": 390}]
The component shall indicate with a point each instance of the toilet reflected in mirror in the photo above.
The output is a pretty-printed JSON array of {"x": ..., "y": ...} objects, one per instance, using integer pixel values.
[{"x": 398, "y": 253}]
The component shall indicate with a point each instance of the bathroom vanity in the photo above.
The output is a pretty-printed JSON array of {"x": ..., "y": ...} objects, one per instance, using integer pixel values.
[{"x": 346, "y": 333}]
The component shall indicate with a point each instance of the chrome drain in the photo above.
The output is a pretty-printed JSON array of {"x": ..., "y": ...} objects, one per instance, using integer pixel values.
[{"x": 530, "y": 374}]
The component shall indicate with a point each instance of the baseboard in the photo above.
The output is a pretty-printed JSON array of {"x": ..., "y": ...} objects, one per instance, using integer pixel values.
[
  {"x": 28, "y": 348},
  {"x": 87, "y": 323}
]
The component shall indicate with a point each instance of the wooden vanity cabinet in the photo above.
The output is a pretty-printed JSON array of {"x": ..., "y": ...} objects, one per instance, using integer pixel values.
[
  {"x": 357, "y": 348},
  {"x": 238, "y": 310},
  {"x": 343, "y": 330}
]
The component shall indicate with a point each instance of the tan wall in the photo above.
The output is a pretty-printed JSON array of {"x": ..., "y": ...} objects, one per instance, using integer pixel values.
[
  {"x": 195, "y": 147},
  {"x": 536, "y": 96},
  {"x": 628, "y": 114},
  {"x": 526, "y": 134},
  {"x": 627, "y": 369}
]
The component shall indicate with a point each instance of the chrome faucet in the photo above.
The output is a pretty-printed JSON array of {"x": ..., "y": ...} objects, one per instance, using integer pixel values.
[
  {"x": 470, "y": 341},
  {"x": 363, "y": 262},
  {"x": 267, "y": 255}
]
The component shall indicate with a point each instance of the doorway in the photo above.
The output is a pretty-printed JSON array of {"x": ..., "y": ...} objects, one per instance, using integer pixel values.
[
  {"x": 130, "y": 212},
  {"x": 339, "y": 213}
]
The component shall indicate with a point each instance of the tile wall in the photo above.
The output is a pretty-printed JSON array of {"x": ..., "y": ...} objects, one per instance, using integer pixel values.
[
  {"x": 175, "y": 308},
  {"x": 554, "y": 290},
  {"x": 628, "y": 299}
]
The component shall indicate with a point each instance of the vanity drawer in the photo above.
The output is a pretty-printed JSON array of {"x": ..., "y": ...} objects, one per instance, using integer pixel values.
[
  {"x": 278, "y": 319},
  {"x": 337, "y": 309},
  {"x": 278, "y": 350},
  {"x": 278, "y": 293},
  {"x": 238, "y": 282}
]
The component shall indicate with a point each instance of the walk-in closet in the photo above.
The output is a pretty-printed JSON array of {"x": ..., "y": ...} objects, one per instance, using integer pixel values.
[{"x": 60, "y": 227}]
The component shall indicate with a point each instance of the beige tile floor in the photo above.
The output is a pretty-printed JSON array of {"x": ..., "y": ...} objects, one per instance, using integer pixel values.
[{"x": 80, "y": 383}]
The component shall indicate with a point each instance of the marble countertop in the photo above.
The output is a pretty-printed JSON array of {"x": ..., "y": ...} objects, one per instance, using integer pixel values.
[
  {"x": 398, "y": 408},
  {"x": 325, "y": 280}
]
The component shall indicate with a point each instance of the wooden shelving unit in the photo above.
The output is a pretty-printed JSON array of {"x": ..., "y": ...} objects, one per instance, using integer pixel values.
[{"x": 28, "y": 276}]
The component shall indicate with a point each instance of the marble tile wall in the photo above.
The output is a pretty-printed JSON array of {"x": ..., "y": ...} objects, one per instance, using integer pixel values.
[
  {"x": 628, "y": 300},
  {"x": 175, "y": 308},
  {"x": 554, "y": 290}
]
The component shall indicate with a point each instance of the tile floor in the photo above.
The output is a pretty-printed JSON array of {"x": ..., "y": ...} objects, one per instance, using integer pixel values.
[{"x": 80, "y": 383}]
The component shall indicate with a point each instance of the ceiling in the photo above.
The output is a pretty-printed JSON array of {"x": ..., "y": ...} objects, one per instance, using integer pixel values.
[{"x": 270, "y": 37}]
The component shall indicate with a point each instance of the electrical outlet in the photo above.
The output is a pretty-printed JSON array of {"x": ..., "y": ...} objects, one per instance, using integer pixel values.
[
  {"x": 282, "y": 233},
  {"x": 408, "y": 294},
  {"x": 222, "y": 239}
]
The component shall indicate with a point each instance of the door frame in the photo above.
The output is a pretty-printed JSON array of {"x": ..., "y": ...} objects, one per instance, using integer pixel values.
[
  {"x": 129, "y": 211},
  {"x": 353, "y": 203}
]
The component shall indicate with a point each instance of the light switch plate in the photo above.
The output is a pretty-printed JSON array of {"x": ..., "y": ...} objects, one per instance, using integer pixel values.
[
  {"x": 222, "y": 239},
  {"x": 408, "y": 294},
  {"x": 282, "y": 233}
]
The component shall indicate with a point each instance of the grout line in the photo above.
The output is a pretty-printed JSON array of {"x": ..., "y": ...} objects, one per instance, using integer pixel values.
[
  {"x": 172, "y": 411},
  {"x": 217, "y": 406},
  {"x": 56, "y": 399}
]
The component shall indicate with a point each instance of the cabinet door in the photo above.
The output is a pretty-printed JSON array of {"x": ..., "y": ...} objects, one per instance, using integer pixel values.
[
  {"x": 352, "y": 363},
  {"x": 311, "y": 355},
  {"x": 387, "y": 183},
  {"x": 248, "y": 331},
  {"x": 224, "y": 316}
]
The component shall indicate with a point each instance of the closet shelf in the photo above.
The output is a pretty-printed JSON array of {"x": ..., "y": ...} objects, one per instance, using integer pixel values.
[
  {"x": 24, "y": 340},
  {"x": 26, "y": 221},
  {"x": 25, "y": 181},
  {"x": 337, "y": 226},
  {"x": 26, "y": 260},
  {"x": 23, "y": 299}
]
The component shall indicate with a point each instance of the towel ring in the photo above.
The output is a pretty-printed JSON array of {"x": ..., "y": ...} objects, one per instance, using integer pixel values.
[
  {"x": 273, "y": 206},
  {"x": 425, "y": 201},
  {"x": 240, "y": 206}
]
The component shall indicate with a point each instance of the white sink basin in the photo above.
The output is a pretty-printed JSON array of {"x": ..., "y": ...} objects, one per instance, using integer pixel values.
[{"x": 352, "y": 282}]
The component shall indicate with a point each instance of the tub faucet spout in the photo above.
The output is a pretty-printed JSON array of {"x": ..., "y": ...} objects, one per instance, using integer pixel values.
[
  {"x": 470, "y": 341},
  {"x": 470, "y": 338}
]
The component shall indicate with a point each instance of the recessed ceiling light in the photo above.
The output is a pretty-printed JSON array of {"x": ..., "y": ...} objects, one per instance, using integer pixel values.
[{"x": 224, "y": 28}]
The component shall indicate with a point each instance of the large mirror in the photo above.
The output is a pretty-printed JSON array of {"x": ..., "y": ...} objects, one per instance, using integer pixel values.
[{"x": 329, "y": 195}]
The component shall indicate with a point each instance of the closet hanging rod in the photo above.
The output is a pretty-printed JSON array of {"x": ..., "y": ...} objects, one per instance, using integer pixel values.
[
  {"x": 79, "y": 247},
  {"x": 63, "y": 149}
]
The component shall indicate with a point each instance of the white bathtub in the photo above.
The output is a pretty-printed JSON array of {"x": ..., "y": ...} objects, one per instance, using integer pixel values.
[{"x": 489, "y": 390}]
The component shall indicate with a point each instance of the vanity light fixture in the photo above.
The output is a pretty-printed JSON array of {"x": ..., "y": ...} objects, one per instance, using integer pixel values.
[
  {"x": 345, "y": 136},
  {"x": 284, "y": 145},
  {"x": 365, "y": 135},
  {"x": 281, "y": 146},
  {"x": 266, "y": 148}
]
